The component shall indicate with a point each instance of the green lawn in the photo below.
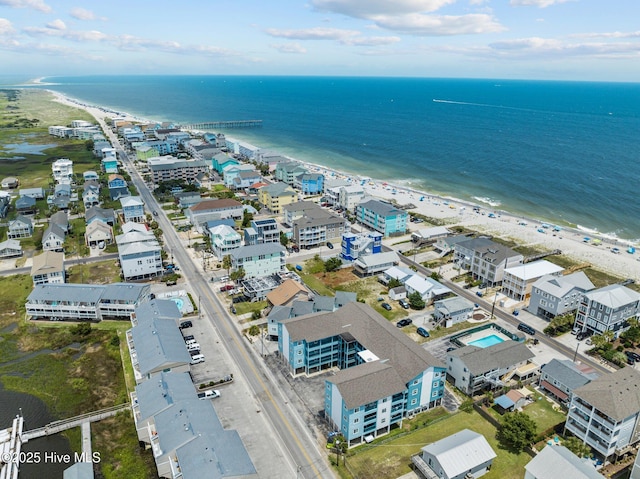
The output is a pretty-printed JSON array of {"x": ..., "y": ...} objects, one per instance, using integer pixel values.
[
  {"x": 390, "y": 459},
  {"x": 438, "y": 333},
  {"x": 250, "y": 307}
]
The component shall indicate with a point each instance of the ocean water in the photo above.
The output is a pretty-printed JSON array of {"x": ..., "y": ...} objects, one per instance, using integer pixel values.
[{"x": 563, "y": 152}]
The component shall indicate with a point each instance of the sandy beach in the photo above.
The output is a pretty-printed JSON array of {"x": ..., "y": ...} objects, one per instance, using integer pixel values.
[{"x": 523, "y": 231}]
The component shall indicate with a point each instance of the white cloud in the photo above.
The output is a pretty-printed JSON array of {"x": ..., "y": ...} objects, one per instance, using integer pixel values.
[
  {"x": 367, "y": 8},
  {"x": 57, "y": 25},
  {"x": 83, "y": 14},
  {"x": 35, "y": 4},
  {"x": 289, "y": 48},
  {"x": 370, "y": 41},
  {"x": 608, "y": 35},
  {"x": 6, "y": 27},
  {"x": 536, "y": 3},
  {"x": 437, "y": 25},
  {"x": 313, "y": 33},
  {"x": 550, "y": 48}
]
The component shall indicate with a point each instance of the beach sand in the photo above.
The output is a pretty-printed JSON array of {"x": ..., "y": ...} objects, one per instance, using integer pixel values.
[{"x": 458, "y": 213}]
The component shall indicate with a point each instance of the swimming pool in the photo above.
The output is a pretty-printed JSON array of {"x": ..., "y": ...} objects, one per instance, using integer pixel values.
[
  {"x": 486, "y": 341},
  {"x": 179, "y": 302}
]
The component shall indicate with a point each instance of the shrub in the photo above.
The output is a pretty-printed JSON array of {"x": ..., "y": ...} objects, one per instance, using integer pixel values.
[{"x": 254, "y": 330}]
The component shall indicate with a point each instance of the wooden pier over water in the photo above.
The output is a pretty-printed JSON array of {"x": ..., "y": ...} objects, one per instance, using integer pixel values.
[{"x": 216, "y": 125}]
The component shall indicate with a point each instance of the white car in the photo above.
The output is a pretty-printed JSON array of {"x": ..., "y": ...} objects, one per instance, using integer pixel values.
[
  {"x": 209, "y": 394},
  {"x": 193, "y": 347}
]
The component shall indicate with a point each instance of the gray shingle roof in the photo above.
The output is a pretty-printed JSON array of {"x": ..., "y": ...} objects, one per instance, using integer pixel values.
[
  {"x": 81, "y": 293},
  {"x": 616, "y": 394},
  {"x": 158, "y": 309},
  {"x": 257, "y": 249},
  {"x": 568, "y": 373},
  {"x": 381, "y": 208},
  {"x": 502, "y": 355},
  {"x": 614, "y": 296},
  {"x": 367, "y": 382},
  {"x": 559, "y": 286}
]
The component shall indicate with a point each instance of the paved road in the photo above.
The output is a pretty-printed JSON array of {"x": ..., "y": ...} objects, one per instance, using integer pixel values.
[{"x": 290, "y": 433}]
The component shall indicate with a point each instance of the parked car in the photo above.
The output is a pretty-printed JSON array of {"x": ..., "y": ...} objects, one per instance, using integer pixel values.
[
  {"x": 194, "y": 352},
  {"x": 155, "y": 213},
  {"x": 185, "y": 324},
  {"x": 198, "y": 358},
  {"x": 386, "y": 306},
  {"x": 404, "y": 304},
  {"x": 189, "y": 337},
  {"x": 527, "y": 329},
  {"x": 193, "y": 347},
  {"x": 172, "y": 282},
  {"x": 449, "y": 349},
  {"x": 634, "y": 355},
  {"x": 423, "y": 332},
  {"x": 226, "y": 287},
  {"x": 404, "y": 322},
  {"x": 329, "y": 245},
  {"x": 210, "y": 394}
]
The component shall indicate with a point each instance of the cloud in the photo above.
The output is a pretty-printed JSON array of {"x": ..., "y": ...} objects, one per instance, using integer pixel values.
[
  {"x": 54, "y": 30},
  {"x": 289, "y": 48},
  {"x": 82, "y": 14},
  {"x": 57, "y": 25},
  {"x": 438, "y": 25},
  {"x": 35, "y": 4},
  {"x": 608, "y": 35},
  {"x": 370, "y": 41},
  {"x": 550, "y": 48},
  {"x": 536, "y": 3},
  {"x": 6, "y": 28},
  {"x": 368, "y": 8},
  {"x": 317, "y": 33}
]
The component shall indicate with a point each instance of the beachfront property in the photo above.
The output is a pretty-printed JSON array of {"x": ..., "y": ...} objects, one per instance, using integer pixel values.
[
  {"x": 355, "y": 245},
  {"x": 144, "y": 152},
  {"x": 259, "y": 260},
  {"x": 276, "y": 196},
  {"x": 98, "y": 233},
  {"x": 309, "y": 183},
  {"x": 383, "y": 377},
  {"x": 224, "y": 239},
  {"x": 607, "y": 309},
  {"x": 104, "y": 215},
  {"x": 485, "y": 259},
  {"x": 371, "y": 264},
  {"x": 553, "y": 296},
  {"x": 132, "y": 209},
  {"x": 184, "y": 433},
  {"x": 48, "y": 268},
  {"x": 350, "y": 196},
  {"x": 53, "y": 238},
  {"x": 62, "y": 170},
  {"x": 10, "y": 248},
  {"x": 20, "y": 227},
  {"x": 86, "y": 301},
  {"x": 558, "y": 461},
  {"x": 517, "y": 281},
  {"x": 169, "y": 168},
  {"x": 450, "y": 311},
  {"x": 288, "y": 171},
  {"x": 209, "y": 210},
  {"x": 220, "y": 161},
  {"x": 428, "y": 288},
  {"x": 475, "y": 368},
  {"x": 465, "y": 454},
  {"x": 297, "y": 210},
  {"x": 426, "y": 236},
  {"x": 61, "y": 131},
  {"x": 316, "y": 226},
  {"x": 10, "y": 182},
  {"x": 559, "y": 377},
  {"x": 383, "y": 217},
  {"x": 35, "y": 193},
  {"x": 605, "y": 413}
]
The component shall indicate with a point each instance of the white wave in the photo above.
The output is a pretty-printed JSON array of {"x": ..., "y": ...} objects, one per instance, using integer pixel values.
[{"x": 488, "y": 201}]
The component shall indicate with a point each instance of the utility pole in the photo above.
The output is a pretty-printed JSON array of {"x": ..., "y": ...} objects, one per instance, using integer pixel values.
[{"x": 575, "y": 355}]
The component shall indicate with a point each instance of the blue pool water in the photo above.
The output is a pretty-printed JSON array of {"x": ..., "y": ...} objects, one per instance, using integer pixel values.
[
  {"x": 486, "y": 341},
  {"x": 179, "y": 302}
]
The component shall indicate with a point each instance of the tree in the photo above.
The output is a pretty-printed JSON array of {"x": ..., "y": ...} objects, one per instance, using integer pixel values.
[
  {"x": 394, "y": 283},
  {"x": 577, "y": 447},
  {"x": 416, "y": 301},
  {"x": 598, "y": 341},
  {"x": 435, "y": 276},
  {"x": 517, "y": 431},
  {"x": 246, "y": 219},
  {"x": 284, "y": 239},
  {"x": 226, "y": 263},
  {"x": 332, "y": 264},
  {"x": 237, "y": 274}
]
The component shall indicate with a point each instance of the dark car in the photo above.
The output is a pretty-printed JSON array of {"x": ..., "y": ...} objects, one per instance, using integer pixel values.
[
  {"x": 527, "y": 329},
  {"x": 404, "y": 322},
  {"x": 185, "y": 324},
  {"x": 404, "y": 304},
  {"x": 450, "y": 349},
  {"x": 633, "y": 355},
  {"x": 189, "y": 337},
  {"x": 226, "y": 287},
  {"x": 423, "y": 332},
  {"x": 329, "y": 245},
  {"x": 194, "y": 352},
  {"x": 386, "y": 306}
]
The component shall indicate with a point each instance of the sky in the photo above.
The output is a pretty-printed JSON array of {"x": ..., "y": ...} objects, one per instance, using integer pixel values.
[{"x": 590, "y": 40}]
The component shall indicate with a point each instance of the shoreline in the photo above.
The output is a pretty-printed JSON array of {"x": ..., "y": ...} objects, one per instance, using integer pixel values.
[{"x": 458, "y": 212}]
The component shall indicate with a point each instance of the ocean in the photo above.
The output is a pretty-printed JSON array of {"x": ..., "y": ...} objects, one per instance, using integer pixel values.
[{"x": 561, "y": 152}]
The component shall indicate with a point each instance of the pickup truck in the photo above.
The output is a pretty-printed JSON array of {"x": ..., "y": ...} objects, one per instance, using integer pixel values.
[{"x": 210, "y": 394}]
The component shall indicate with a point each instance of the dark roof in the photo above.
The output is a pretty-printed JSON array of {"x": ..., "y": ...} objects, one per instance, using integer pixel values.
[
  {"x": 498, "y": 356},
  {"x": 616, "y": 394},
  {"x": 216, "y": 204}
]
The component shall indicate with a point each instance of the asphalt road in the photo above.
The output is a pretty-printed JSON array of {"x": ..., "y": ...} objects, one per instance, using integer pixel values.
[{"x": 304, "y": 457}]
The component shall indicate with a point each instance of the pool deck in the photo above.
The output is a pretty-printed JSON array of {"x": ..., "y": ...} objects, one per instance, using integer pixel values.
[{"x": 482, "y": 334}]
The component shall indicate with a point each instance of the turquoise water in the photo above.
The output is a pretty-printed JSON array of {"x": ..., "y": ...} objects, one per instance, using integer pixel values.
[
  {"x": 179, "y": 302},
  {"x": 561, "y": 152},
  {"x": 486, "y": 341}
]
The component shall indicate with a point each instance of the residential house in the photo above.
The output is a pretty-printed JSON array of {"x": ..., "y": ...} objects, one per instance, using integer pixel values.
[
  {"x": 10, "y": 182},
  {"x": 288, "y": 292},
  {"x": 20, "y": 227},
  {"x": 452, "y": 311},
  {"x": 275, "y": 196},
  {"x": 559, "y": 377},
  {"x": 399, "y": 274},
  {"x": 104, "y": 215},
  {"x": 246, "y": 175},
  {"x": 511, "y": 401},
  {"x": 140, "y": 260},
  {"x": 185, "y": 435},
  {"x": 35, "y": 193},
  {"x": 445, "y": 245},
  {"x": 62, "y": 171},
  {"x": 605, "y": 413},
  {"x": 297, "y": 210},
  {"x": 117, "y": 186},
  {"x": 144, "y": 152},
  {"x": 553, "y": 296},
  {"x": 91, "y": 194},
  {"x": 332, "y": 187},
  {"x": 485, "y": 259},
  {"x": 288, "y": 171},
  {"x": 463, "y": 455},
  {"x": 369, "y": 351},
  {"x": 132, "y": 209},
  {"x": 90, "y": 175},
  {"x": 48, "y": 268},
  {"x": 309, "y": 183},
  {"x": 558, "y": 461},
  {"x": 316, "y": 226},
  {"x": 186, "y": 199},
  {"x": 517, "y": 281},
  {"x": 61, "y": 220},
  {"x": 257, "y": 289},
  {"x": 370, "y": 264},
  {"x": 350, "y": 196},
  {"x": 429, "y": 235},
  {"x": 428, "y": 288},
  {"x": 607, "y": 309},
  {"x": 259, "y": 260},
  {"x": 474, "y": 369},
  {"x": 98, "y": 232},
  {"x": 168, "y": 168},
  {"x": 53, "y": 238},
  {"x": 220, "y": 161},
  {"x": 10, "y": 248},
  {"x": 397, "y": 293},
  {"x": 209, "y": 210},
  {"x": 383, "y": 217},
  {"x": 362, "y": 244},
  {"x": 262, "y": 231},
  {"x": 109, "y": 164},
  {"x": 224, "y": 239},
  {"x": 62, "y": 189}
]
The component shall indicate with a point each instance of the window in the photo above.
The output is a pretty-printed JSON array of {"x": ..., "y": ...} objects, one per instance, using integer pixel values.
[
  {"x": 383, "y": 411},
  {"x": 414, "y": 392},
  {"x": 356, "y": 420},
  {"x": 414, "y": 402},
  {"x": 355, "y": 431}
]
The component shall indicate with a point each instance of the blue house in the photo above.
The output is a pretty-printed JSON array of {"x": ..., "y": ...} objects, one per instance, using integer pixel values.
[
  {"x": 310, "y": 183},
  {"x": 220, "y": 161},
  {"x": 384, "y": 375},
  {"x": 383, "y": 217},
  {"x": 110, "y": 165},
  {"x": 132, "y": 209},
  {"x": 357, "y": 245}
]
